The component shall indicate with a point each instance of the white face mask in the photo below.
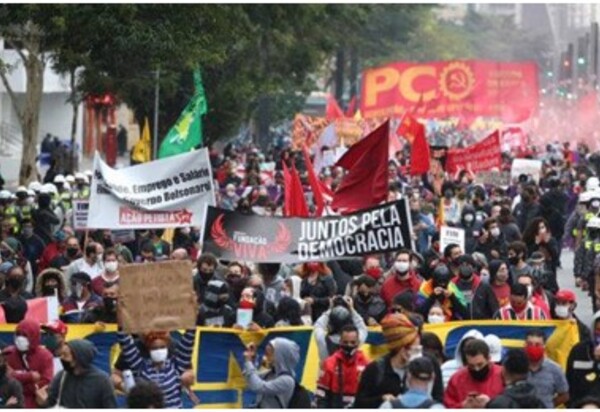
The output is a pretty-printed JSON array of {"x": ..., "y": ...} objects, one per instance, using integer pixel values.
[
  {"x": 562, "y": 311},
  {"x": 22, "y": 343},
  {"x": 112, "y": 266},
  {"x": 401, "y": 267},
  {"x": 435, "y": 319},
  {"x": 495, "y": 232},
  {"x": 595, "y": 204},
  {"x": 159, "y": 355},
  {"x": 468, "y": 218},
  {"x": 485, "y": 276}
]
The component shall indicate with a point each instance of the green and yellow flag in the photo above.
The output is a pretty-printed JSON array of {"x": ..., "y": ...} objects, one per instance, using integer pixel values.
[
  {"x": 142, "y": 149},
  {"x": 187, "y": 131}
]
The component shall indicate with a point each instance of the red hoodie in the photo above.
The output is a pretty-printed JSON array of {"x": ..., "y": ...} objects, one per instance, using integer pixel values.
[
  {"x": 461, "y": 384},
  {"x": 36, "y": 359}
]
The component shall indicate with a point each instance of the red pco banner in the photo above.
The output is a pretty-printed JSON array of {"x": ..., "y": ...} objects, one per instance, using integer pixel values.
[
  {"x": 504, "y": 90},
  {"x": 482, "y": 156}
]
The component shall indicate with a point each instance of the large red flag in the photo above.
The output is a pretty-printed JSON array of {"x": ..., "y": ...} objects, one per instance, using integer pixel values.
[
  {"x": 295, "y": 202},
  {"x": 366, "y": 183},
  {"x": 413, "y": 131},
  {"x": 315, "y": 184},
  {"x": 333, "y": 110}
]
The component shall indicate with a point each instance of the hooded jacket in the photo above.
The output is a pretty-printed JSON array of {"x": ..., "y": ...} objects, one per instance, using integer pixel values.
[
  {"x": 451, "y": 366},
  {"x": 521, "y": 395},
  {"x": 39, "y": 283},
  {"x": 274, "y": 389},
  {"x": 36, "y": 359},
  {"x": 321, "y": 332},
  {"x": 582, "y": 368},
  {"x": 472, "y": 229},
  {"x": 89, "y": 389}
]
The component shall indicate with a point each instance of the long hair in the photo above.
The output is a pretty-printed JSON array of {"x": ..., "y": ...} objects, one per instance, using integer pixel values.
[{"x": 532, "y": 228}]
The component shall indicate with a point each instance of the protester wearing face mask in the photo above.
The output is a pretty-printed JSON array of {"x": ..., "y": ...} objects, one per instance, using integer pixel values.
[
  {"x": 467, "y": 281},
  {"x": 519, "y": 306},
  {"x": 214, "y": 310},
  {"x": 230, "y": 199},
  {"x": 33, "y": 246},
  {"x": 544, "y": 374},
  {"x": 423, "y": 226},
  {"x": 371, "y": 267},
  {"x": 450, "y": 205},
  {"x": 436, "y": 315},
  {"x": 537, "y": 295},
  {"x": 399, "y": 278},
  {"x": 566, "y": 303},
  {"x": 440, "y": 290},
  {"x": 386, "y": 377},
  {"x": 163, "y": 368},
  {"x": 583, "y": 365},
  {"x": 479, "y": 381},
  {"x": 491, "y": 241},
  {"x": 206, "y": 266},
  {"x": 255, "y": 299},
  {"x": 527, "y": 209},
  {"x": 12, "y": 252},
  {"x": 44, "y": 218},
  {"x": 81, "y": 300},
  {"x": 537, "y": 237},
  {"x": 451, "y": 254},
  {"x": 54, "y": 337},
  {"x": 50, "y": 283},
  {"x": 236, "y": 278},
  {"x": 471, "y": 226},
  {"x": 288, "y": 313},
  {"x": 318, "y": 286},
  {"x": 10, "y": 388},
  {"x": 366, "y": 301},
  {"x": 29, "y": 362},
  {"x": 110, "y": 275},
  {"x": 517, "y": 253},
  {"x": 451, "y": 366},
  {"x": 107, "y": 313},
  {"x": 91, "y": 263},
  {"x": 14, "y": 284},
  {"x": 70, "y": 252},
  {"x": 338, "y": 381},
  {"x": 80, "y": 385}
]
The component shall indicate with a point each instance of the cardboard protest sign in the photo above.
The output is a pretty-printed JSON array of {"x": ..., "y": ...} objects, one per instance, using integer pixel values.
[
  {"x": 166, "y": 193},
  {"x": 493, "y": 178},
  {"x": 484, "y": 155},
  {"x": 236, "y": 236},
  {"x": 528, "y": 167},
  {"x": 450, "y": 235},
  {"x": 81, "y": 210},
  {"x": 156, "y": 297}
]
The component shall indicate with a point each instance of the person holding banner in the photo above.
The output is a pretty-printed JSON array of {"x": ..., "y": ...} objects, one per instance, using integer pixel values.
[{"x": 317, "y": 287}]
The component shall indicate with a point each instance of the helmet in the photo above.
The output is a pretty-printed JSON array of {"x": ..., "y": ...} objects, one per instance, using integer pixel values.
[
  {"x": 67, "y": 187},
  {"x": 70, "y": 179},
  {"x": 4, "y": 195},
  {"x": 59, "y": 179},
  {"x": 35, "y": 186},
  {"x": 49, "y": 188},
  {"x": 88, "y": 173},
  {"x": 592, "y": 183},
  {"x": 585, "y": 197},
  {"x": 21, "y": 189},
  {"x": 566, "y": 295},
  {"x": 31, "y": 193},
  {"x": 80, "y": 176},
  {"x": 594, "y": 223}
]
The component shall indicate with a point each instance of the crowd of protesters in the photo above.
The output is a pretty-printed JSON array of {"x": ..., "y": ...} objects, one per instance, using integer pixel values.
[{"x": 508, "y": 269}]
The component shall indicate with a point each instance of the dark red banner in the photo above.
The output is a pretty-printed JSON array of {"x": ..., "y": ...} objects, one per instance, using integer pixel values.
[
  {"x": 485, "y": 155},
  {"x": 505, "y": 90}
]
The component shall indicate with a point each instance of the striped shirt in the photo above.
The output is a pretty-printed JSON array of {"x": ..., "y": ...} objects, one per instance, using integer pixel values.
[
  {"x": 168, "y": 377},
  {"x": 530, "y": 313}
]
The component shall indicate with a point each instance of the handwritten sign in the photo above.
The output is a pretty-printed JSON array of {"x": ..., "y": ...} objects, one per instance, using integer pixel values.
[
  {"x": 156, "y": 297},
  {"x": 450, "y": 235}
]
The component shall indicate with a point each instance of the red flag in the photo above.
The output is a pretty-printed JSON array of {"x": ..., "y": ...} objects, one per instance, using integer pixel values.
[
  {"x": 351, "y": 107},
  {"x": 413, "y": 131},
  {"x": 314, "y": 182},
  {"x": 366, "y": 183},
  {"x": 333, "y": 110},
  {"x": 295, "y": 203}
]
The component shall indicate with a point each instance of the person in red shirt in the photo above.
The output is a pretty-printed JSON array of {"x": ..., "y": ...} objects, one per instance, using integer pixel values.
[
  {"x": 340, "y": 373},
  {"x": 52, "y": 250},
  {"x": 519, "y": 306},
  {"x": 537, "y": 294},
  {"x": 29, "y": 362},
  {"x": 474, "y": 385},
  {"x": 110, "y": 276},
  {"x": 400, "y": 278}
]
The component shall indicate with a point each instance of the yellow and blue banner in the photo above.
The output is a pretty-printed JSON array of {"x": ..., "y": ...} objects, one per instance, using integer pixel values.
[{"x": 218, "y": 353}]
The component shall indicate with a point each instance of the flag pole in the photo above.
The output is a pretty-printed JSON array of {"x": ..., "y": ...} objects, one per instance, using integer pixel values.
[{"x": 155, "y": 128}]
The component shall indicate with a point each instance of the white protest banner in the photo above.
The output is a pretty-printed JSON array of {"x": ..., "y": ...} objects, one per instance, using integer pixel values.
[
  {"x": 80, "y": 214},
  {"x": 526, "y": 167},
  {"x": 450, "y": 235},
  {"x": 493, "y": 178},
  {"x": 170, "y": 192}
]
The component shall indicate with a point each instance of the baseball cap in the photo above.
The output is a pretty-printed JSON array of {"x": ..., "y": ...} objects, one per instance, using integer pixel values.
[
  {"x": 421, "y": 368},
  {"x": 56, "y": 327},
  {"x": 566, "y": 295}
]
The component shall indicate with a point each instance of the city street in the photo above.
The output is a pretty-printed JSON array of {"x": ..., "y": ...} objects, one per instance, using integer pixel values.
[{"x": 567, "y": 281}]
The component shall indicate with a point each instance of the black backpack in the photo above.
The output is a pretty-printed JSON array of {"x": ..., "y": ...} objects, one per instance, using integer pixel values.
[
  {"x": 300, "y": 398},
  {"x": 426, "y": 404}
]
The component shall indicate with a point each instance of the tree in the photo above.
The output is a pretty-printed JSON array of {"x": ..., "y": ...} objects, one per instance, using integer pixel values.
[{"x": 29, "y": 30}]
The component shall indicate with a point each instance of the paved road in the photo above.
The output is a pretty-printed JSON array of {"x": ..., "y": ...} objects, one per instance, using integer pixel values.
[{"x": 567, "y": 281}]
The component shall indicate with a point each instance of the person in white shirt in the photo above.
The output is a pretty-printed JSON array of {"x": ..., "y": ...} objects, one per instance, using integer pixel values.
[{"x": 91, "y": 263}]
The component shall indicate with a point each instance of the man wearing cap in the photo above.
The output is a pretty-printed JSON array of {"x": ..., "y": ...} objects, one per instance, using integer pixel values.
[
  {"x": 566, "y": 303},
  {"x": 385, "y": 378},
  {"x": 544, "y": 374},
  {"x": 55, "y": 336},
  {"x": 419, "y": 382},
  {"x": 82, "y": 190}
]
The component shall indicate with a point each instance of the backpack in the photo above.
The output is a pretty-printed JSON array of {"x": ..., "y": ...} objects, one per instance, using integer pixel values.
[
  {"x": 426, "y": 404},
  {"x": 300, "y": 398}
]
